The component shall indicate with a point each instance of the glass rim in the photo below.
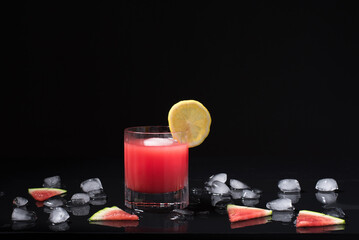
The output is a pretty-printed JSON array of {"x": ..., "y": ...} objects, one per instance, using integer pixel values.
[{"x": 135, "y": 130}]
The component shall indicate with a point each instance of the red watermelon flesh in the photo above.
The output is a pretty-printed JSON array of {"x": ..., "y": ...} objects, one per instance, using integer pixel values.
[
  {"x": 307, "y": 218},
  {"x": 41, "y": 194},
  {"x": 113, "y": 213},
  {"x": 239, "y": 213}
]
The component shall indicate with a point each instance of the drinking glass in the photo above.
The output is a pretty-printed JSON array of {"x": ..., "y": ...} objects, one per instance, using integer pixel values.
[{"x": 156, "y": 168}]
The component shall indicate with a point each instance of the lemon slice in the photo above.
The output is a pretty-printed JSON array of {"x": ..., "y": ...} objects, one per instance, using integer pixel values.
[{"x": 191, "y": 117}]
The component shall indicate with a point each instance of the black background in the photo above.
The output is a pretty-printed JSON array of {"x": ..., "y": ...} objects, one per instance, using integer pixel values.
[{"x": 279, "y": 79}]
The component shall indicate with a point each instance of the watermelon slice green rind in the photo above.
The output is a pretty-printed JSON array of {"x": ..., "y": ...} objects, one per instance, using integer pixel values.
[
  {"x": 308, "y": 218},
  {"x": 112, "y": 213},
  {"x": 240, "y": 213},
  {"x": 41, "y": 194}
]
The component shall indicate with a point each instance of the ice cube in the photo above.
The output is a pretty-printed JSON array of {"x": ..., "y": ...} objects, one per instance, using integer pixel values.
[
  {"x": 91, "y": 184},
  {"x": 326, "y": 185},
  {"x": 158, "y": 142},
  {"x": 335, "y": 212},
  {"x": 326, "y": 197},
  {"x": 221, "y": 177},
  {"x": 256, "y": 190},
  {"x": 250, "y": 202},
  {"x": 236, "y": 184},
  {"x": 281, "y": 204},
  {"x": 19, "y": 214},
  {"x": 282, "y": 216},
  {"x": 59, "y": 227},
  {"x": 82, "y": 210},
  {"x": 220, "y": 201},
  {"x": 98, "y": 201},
  {"x": 294, "y": 196},
  {"x": 58, "y": 215},
  {"x": 237, "y": 194},
  {"x": 22, "y": 225},
  {"x": 97, "y": 194},
  {"x": 289, "y": 185},
  {"x": 80, "y": 199},
  {"x": 20, "y": 201},
  {"x": 219, "y": 188},
  {"x": 52, "y": 182},
  {"x": 54, "y": 202},
  {"x": 250, "y": 194}
]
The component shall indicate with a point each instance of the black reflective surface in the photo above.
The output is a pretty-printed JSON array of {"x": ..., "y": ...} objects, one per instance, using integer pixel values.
[{"x": 207, "y": 220}]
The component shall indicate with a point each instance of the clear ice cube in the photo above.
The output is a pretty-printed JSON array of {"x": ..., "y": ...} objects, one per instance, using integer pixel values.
[
  {"x": 237, "y": 194},
  {"x": 82, "y": 210},
  {"x": 19, "y": 214},
  {"x": 289, "y": 185},
  {"x": 54, "y": 202},
  {"x": 22, "y": 225},
  {"x": 52, "y": 182},
  {"x": 58, "y": 215},
  {"x": 281, "y": 204},
  {"x": 326, "y": 198},
  {"x": 59, "y": 227},
  {"x": 221, "y": 177},
  {"x": 326, "y": 185},
  {"x": 250, "y": 202},
  {"x": 219, "y": 188},
  {"x": 97, "y": 194},
  {"x": 91, "y": 184},
  {"x": 294, "y": 196},
  {"x": 98, "y": 201},
  {"x": 236, "y": 184},
  {"x": 282, "y": 216},
  {"x": 335, "y": 212},
  {"x": 158, "y": 142},
  {"x": 80, "y": 199},
  {"x": 20, "y": 201},
  {"x": 220, "y": 201},
  {"x": 250, "y": 194}
]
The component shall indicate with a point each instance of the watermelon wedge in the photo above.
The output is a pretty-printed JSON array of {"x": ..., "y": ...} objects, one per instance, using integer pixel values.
[
  {"x": 307, "y": 218},
  {"x": 113, "y": 213},
  {"x": 41, "y": 194},
  {"x": 240, "y": 213}
]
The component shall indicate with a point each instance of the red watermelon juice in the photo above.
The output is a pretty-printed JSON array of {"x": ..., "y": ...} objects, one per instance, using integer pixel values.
[{"x": 157, "y": 167}]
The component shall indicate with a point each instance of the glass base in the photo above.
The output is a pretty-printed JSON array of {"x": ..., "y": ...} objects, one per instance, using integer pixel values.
[{"x": 156, "y": 201}]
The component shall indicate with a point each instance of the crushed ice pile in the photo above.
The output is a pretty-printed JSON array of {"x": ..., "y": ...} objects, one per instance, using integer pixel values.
[
  {"x": 216, "y": 185},
  {"x": 57, "y": 206},
  {"x": 222, "y": 194}
]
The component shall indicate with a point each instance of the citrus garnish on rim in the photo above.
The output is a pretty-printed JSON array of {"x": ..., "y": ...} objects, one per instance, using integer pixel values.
[{"x": 191, "y": 117}]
